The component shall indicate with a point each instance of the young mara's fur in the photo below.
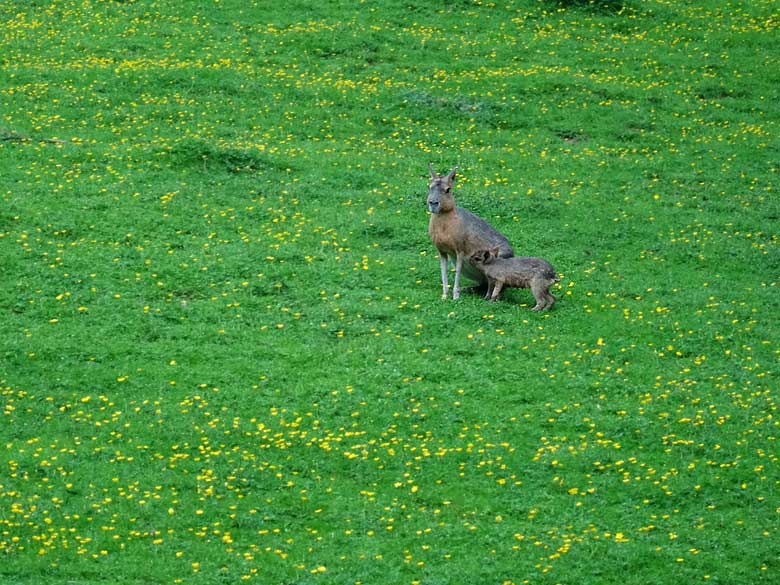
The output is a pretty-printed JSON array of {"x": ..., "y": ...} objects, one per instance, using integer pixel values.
[
  {"x": 518, "y": 271},
  {"x": 457, "y": 233}
]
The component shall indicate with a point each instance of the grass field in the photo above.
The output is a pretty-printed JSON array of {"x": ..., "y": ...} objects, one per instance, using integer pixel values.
[{"x": 225, "y": 356}]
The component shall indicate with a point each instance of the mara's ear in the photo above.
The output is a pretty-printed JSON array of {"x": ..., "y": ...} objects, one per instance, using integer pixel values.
[
  {"x": 495, "y": 251},
  {"x": 432, "y": 171},
  {"x": 451, "y": 175}
]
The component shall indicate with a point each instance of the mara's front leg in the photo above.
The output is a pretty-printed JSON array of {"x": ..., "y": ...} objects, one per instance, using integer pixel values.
[
  {"x": 497, "y": 286},
  {"x": 444, "y": 283},
  {"x": 459, "y": 257},
  {"x": 490, "y": 284}
]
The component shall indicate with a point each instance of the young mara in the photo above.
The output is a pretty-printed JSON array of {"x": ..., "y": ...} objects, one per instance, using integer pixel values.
[{"x": 518, "y": 271}]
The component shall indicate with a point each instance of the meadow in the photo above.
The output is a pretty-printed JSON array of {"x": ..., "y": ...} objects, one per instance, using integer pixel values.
[{"x": 224, "y": 353}]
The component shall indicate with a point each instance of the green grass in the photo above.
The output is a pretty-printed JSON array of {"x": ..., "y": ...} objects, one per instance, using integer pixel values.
[{"x": 224, "y": 352}]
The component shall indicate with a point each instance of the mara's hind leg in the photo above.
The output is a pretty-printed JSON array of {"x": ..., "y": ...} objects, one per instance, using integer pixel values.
[
  {"x": 550, "y": 300},
  {"x": 548, "y": 295},
  {"x": 539, "y": 290}
]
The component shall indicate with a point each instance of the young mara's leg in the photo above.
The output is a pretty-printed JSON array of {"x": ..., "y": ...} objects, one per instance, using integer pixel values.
[
  {"x": 490, "y": 284},
  {"x": 550, "y": 300},
  {"x": 539, "y": 290},
  {"x": 444, "y": 282},
  {"x": 497, "y": 286},
  {"x": 458, "y": 266}
]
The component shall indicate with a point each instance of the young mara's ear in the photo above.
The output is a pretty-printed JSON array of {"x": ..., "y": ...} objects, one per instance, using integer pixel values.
[
  {"x": 432, "y": 171},
  {"x": 451, "y": 176}
]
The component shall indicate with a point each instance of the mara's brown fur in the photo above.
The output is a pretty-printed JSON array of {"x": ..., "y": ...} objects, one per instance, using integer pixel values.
[
  {"x": 457, "y": 233},
  {"x": 519, "y": 271}
]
